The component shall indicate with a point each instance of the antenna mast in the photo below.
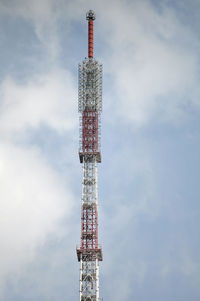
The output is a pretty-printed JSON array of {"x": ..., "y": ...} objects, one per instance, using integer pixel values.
[{"x": 90, "y": 107}]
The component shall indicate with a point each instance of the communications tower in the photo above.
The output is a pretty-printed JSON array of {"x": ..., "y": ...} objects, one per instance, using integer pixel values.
[{"x": 89, "y": 106}]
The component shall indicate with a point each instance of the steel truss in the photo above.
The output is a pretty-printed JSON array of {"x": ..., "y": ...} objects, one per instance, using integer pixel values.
[
  {"x": 89, "y": 106},
  {"x": 89, "y": 254}
]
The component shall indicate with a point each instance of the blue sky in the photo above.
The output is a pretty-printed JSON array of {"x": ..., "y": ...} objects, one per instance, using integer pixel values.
[{"x": 149, "y": 177}]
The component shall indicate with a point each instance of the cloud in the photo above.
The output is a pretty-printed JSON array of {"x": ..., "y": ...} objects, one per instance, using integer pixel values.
[
  {"x": 44, "y": 18},
  {"x": 34, "y": 197},
  {"x": 34, "y": 200},
  {"x": 153, "y": 62},
  {"x": 45, "y": 100},
  {"x": 150, "y": 62}
]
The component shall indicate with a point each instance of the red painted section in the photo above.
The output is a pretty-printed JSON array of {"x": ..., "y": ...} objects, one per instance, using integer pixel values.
[
  {"x": 90, "y": 131},
  {"x": 90, "y": 38}
]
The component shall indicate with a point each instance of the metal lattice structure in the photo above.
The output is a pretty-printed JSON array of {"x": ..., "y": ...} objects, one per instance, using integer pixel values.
[{"x": 89, "y": 106}]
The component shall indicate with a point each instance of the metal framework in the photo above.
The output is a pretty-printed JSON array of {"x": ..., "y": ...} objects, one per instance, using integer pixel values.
[{"x": 89, "y": 106}]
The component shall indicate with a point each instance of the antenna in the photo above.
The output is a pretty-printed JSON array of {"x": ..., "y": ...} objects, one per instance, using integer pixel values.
[
  {"x": 89, "y": 106},
  {"x": 90, "y": 16}
]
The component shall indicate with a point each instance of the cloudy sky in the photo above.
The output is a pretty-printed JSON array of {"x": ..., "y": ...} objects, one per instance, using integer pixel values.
[{"x": 149, "y": 210}]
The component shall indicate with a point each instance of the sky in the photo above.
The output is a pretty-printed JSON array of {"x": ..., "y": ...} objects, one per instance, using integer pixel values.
[{"x": 149, "y": 211}]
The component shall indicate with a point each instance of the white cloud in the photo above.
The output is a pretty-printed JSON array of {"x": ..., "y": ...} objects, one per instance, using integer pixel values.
[
  {"x": 43, "y": 15},
  {"x": 153, "y": 62},
  {"x": 149, "y": 59},
  {"x": 34, "y": 200},
  {"x": 48, "y": 99}
]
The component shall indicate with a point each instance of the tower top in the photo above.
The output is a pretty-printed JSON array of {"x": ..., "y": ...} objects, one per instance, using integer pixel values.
[{"x": 90, "y": 15}]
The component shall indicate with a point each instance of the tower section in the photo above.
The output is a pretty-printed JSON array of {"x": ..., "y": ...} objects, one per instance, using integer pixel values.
[{"x": 90, "y": 107}]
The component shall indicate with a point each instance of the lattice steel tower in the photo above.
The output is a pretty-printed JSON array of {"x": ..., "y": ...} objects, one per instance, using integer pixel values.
[{"x": 89, "y": 106}]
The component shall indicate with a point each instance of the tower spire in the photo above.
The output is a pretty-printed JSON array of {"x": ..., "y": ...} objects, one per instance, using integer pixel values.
[{"x": 90, "y": 16}]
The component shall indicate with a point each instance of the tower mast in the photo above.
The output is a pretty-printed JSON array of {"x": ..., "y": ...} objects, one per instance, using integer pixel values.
[{"x": 90, "y": 107}]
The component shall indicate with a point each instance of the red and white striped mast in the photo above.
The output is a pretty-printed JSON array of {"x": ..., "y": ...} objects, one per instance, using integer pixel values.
[{"x": 89, "y": 106}]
